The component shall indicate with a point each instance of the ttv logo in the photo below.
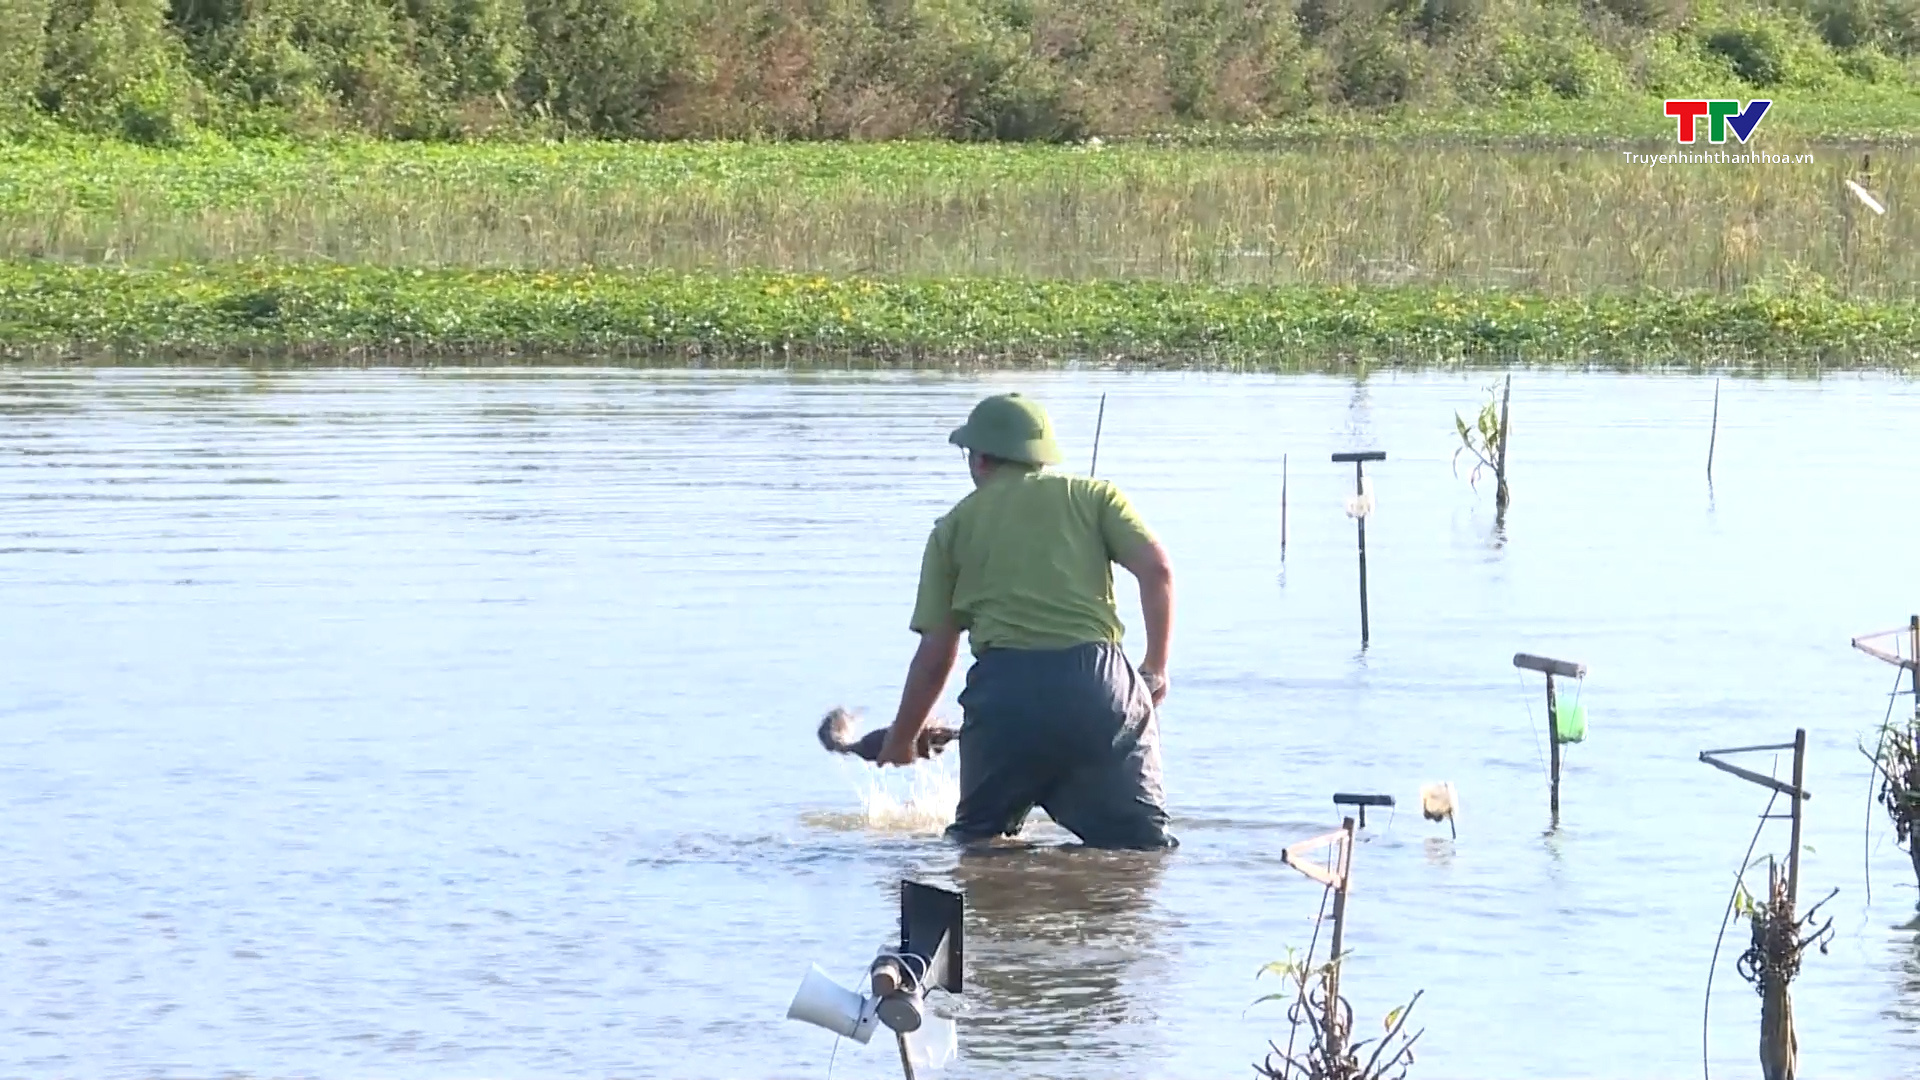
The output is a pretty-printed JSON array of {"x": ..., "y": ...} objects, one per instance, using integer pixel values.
[{"x": 1720, "y": 116}]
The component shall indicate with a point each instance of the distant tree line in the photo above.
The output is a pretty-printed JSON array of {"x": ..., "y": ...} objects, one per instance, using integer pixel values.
[{"x": 151, "y": 70}]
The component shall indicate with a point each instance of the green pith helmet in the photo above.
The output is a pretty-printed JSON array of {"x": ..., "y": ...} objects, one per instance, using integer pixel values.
[{"x": 1011, "y": 427}]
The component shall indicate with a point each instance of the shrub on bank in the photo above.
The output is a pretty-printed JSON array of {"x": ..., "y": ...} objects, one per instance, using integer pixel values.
[{"x": 149, "y": 70}]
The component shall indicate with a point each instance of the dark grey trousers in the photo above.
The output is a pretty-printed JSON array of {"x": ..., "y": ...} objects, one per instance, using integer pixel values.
[{"x": 1071, "y": 731}]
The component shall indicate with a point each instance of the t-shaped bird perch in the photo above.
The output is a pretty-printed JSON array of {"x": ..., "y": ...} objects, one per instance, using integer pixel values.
[
  {"x": 1566, "y": 669},
  {"x": 1361, "y": 509}
]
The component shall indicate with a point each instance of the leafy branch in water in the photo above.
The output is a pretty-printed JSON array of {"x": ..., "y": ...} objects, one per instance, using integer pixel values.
[
  {"x": 1328, "y": 1054},
  {"x": 1897, "y": 763},
  {"x": 1483, "y": 440},
  {"x": 1778, "y": 938}
]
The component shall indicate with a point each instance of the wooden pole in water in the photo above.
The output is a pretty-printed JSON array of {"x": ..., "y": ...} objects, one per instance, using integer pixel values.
[
  {"x": 1779, "y": 1049},
  {"x": 1553, "y": 742},
  {"x": 1714, "y": 436},
  {"x": 1799, "y": 784},
  {"x": 1913, "y": 675},
  {"x": 1913, "y": 731},
  {"x": 1777, "y": 1044},
  {"x": 1336, "y": 1038},
  {"x": 1097, "y": 424},
  {"x": 1500, "y": 468},
  {"x": 1361, "y": 521},
  {"x": 1333, "y": 1033},
  {"x": 1283, "y": 508},
  {"x": 1359, "y": 489}
]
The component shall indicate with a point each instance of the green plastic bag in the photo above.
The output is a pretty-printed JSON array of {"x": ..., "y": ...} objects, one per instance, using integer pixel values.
[{"x": 1569, "y": 721}]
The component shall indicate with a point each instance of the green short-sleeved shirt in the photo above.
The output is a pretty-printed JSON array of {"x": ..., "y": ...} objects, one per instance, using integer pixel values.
[{"x": 1026, "y": 562}]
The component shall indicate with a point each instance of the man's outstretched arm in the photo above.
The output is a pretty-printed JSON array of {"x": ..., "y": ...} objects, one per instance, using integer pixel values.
[
  {"x": 1149, "y": 565},
  {"x": 927, "y": 676},
  {"x": 939, "y": 629}
]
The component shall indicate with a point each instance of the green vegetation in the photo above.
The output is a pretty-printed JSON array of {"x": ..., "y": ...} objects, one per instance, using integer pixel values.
[
  {"x": 1896, "y": 765},
  {"x": 1553, "y": 223},
  {"x": 157, "y": 71},
  {"x": 422, "y": 178},
  {"x": 264, "y": 310}
]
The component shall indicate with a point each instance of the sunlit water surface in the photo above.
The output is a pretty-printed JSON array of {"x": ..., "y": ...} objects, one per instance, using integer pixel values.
[{"x": 461, "y": 724}]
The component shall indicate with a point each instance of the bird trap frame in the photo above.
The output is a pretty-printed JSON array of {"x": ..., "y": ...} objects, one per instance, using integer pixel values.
[
  {"x": 1779, "y": 937},
  {"x": 1331, "y": 1053},
  {"x": 1896, "y": 757}
]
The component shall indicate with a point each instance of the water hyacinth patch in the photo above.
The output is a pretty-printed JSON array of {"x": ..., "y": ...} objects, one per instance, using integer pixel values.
[{"x": 322, "y": 313}]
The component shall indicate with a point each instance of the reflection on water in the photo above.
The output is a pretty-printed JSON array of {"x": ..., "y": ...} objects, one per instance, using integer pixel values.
[
  {"x": 462, "y": 723},
  {"x": 1904, "y": 1012},
  {"x": 1065, "y": 946}
]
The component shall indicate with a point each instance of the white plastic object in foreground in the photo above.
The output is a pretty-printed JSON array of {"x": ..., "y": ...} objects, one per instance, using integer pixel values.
[
  {"x": 825, "y": 1003},
  {"x": 934, "y": 1044}
]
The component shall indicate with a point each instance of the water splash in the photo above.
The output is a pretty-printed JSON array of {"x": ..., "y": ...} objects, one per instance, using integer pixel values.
[{"x": 919, "y": 798}]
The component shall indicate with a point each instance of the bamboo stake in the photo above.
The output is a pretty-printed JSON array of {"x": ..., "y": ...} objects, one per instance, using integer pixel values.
[
  {"x": 1097, "y": 424},
  {"x": 1283, "y": 508},
  {"x": 1714, "y": 436},
  {"x": 1553, "y": 740},
  {"x": 1779, "y": 1048},
  {"x": 1336, "y": 1037},
  {"x": 1332, "y": 1033},
  {"x": 1799, "y": 784},
  {"x": 1359, "y": 490},
  {"x": 1500, "y": 497}
]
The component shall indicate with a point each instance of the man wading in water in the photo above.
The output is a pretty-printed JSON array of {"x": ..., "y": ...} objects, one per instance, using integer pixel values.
[{"x": 1055, "y": 716}]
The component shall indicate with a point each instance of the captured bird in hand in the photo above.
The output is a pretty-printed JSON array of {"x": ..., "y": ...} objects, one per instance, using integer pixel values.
[{"x": 836, "y": 734}]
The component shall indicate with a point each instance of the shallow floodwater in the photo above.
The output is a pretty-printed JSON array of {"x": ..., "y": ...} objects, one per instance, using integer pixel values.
[{"x": 461, "y": 723}]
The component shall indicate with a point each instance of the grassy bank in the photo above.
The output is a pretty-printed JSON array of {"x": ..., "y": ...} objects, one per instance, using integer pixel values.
[
  {"x": 267, "y": 311},
  {"x": 1559, "y": 222},
  {"x": 1863, "y": 116}
]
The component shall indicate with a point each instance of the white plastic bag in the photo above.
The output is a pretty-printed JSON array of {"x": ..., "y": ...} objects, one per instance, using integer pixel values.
[
  {"x": 1361, "y": 505},
  {"x": 934, "y": 1044}
]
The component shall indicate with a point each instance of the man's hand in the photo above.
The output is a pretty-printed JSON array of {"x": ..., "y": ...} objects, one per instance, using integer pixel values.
[
  {"x": 1156, "y": 684},
  {"x": 926, "y": 677},
  {"x": 1150, "y": 566},
  {"x": 898, "y": 748}
]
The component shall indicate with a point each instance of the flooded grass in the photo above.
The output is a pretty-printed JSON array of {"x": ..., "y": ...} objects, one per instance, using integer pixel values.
[
  {"x": 1548, "y": 221},
  {"x": 306, "y": 312}
]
